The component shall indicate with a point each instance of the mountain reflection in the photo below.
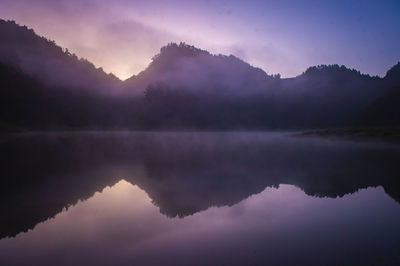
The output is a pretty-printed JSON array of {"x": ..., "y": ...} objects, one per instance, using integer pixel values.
[
  {"x": 121, "y": 226},
  {"x": 182, "y": 173}
]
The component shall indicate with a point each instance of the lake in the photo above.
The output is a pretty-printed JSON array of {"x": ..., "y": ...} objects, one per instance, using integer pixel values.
[{"x": 187, "y": 198}]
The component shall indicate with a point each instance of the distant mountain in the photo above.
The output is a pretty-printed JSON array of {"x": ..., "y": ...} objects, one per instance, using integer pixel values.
[
  {"x": 46, "y": 87},
  {"x": 392, "y": 77},
  {"x": 187, "y": 67},
  {"x": 385, "y": 110},
  {"x": 27, "y": 102},
  {"x": 322, "y": 96},
  {"x": 224, "y": 91},
  {"x": 22, "y": 48},
  {"x": 326, "y": 96}
]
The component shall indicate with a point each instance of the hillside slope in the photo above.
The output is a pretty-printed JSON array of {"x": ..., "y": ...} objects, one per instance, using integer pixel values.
[{"x": 44, "y": 87}]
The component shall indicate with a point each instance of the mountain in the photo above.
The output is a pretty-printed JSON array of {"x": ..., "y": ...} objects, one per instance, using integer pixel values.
[
  {"x": 191, "y": 87},
  {"x": 27, "y": 102},
  {"x": 322, "y": 96},
  {"x": 385, "y": 110},
  {"x": 196, "y": 70},
  {"x": 392, "y": 77},
  {"x": 44, "y": 86},
  {"x": 326, "y": 96},
  {"x": 36, "y": 56}
]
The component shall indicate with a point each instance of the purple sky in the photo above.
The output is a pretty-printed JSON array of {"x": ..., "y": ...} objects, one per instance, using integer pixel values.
[{"x": 278, "y": 36}]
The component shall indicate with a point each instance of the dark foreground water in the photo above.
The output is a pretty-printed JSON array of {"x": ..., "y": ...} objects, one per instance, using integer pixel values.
[{"x": 197, "y": 199}]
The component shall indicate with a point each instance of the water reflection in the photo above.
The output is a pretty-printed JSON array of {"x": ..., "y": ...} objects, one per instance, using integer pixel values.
[
  {"x": 276, "y": 227},
  {"x": 183, "y": 174}
]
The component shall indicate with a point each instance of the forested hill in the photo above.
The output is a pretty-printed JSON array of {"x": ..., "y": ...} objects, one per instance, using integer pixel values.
[
  {"x": 41, "y": 58},
  {"x": 196, "y": 70},
  {"x": 43, "y": 86}
]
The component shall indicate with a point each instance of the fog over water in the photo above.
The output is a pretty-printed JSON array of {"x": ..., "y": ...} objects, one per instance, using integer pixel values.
[{"x": 187, "y": 198}]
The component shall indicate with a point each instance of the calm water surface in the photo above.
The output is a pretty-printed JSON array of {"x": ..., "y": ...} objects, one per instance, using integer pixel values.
[{"x": 128, "y": 198}]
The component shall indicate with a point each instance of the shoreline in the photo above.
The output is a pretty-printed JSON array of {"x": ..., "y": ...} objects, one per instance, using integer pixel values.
[{"x": 387, "y": 134}]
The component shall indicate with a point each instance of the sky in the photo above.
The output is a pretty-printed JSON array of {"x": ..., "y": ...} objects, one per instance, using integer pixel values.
[{"x": 285, "y": 37}]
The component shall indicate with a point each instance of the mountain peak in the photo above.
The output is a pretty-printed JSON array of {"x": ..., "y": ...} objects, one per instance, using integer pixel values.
[
  {"x": 335, "y": 68},
  {"x": 182, "y": 49},
  {"x": 185, "y": 66},
  {"x": 41, "y": 58},
  {"x": 393, "y": 73},
  {"x": 172, "y": 52}
]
